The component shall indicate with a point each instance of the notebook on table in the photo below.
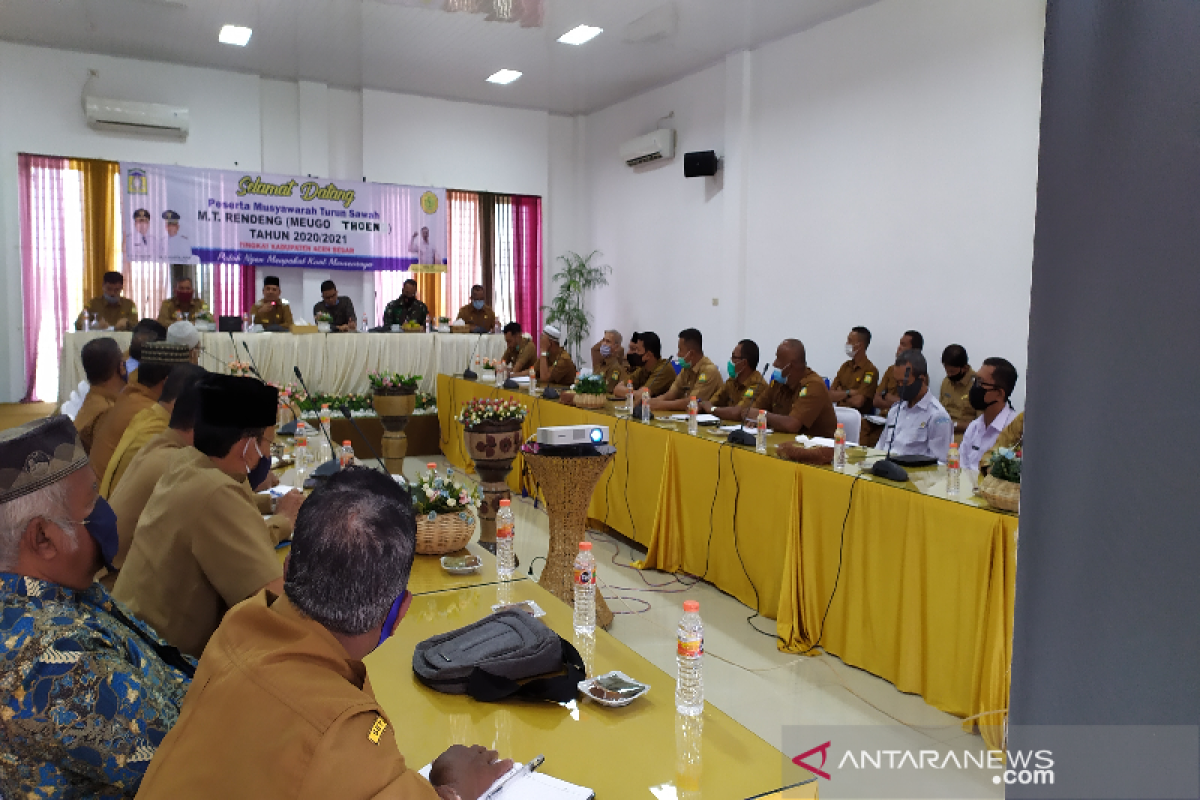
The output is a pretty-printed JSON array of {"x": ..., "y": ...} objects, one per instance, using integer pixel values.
[{"x": 529, "y": 786}]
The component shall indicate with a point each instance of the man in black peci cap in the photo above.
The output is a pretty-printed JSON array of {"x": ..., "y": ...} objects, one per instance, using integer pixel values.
[
  {"x": 271, "y": 312},
  {"x": 201, "y": 546},
  {"x": 88, "y": 692}
]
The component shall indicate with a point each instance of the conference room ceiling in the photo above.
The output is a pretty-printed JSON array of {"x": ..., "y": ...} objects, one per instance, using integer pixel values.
[{"x": 437, "y": 48}]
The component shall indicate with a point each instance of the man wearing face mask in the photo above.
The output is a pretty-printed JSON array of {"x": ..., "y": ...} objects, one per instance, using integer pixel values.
[
  {"x": 797, "y": 400},
  {"x": 88, "y": 691},
  {"x": 105, "y": 371},
  {"x": 608, "y": 359},
  {"x": 955, "y": 386},
  {"x": 856, "y": 380},
  {"x": 745, "y": 383},
  {"x": 520, "y": 355},
  {"x": 406, "y": 308},
  {"x": 110, "y": 309},
  {"x": 990, "y": 393},
  {"x": 698, "y": 376},
  {"x": 917, "y": 425},
  {"x": 886, "y": 396},
  {"x": 356, "y": 531},
  {"x": 183, "y": 305},
  {"x": 479, "y": 316},
  {"x": 201, "y": 546},
  {"x": 650, "y": 371}
]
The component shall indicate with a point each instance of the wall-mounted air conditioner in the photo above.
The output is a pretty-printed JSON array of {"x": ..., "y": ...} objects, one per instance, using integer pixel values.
[
  {"x": 651, "y": 147},
  {"x": 128, "y": 116}
]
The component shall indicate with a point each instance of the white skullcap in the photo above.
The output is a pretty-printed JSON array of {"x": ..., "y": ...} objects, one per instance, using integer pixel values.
[
  {"x": 552, "y": 332},
  {"x": 184, "y": 333}
]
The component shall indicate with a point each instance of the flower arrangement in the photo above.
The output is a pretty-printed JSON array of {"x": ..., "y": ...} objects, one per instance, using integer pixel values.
[
  {"x": 491, "y": 409},
  {"x": 1006, "y": 465},
  {"x": 426, "y": 401},
  {"x": 490, "y": 363},
  {"x": 591, "y": 384},
  {"x": 240, "y": 369},
  {"x": 434, "y": 494},
  {"x": 443, "y": 320},
  {"x": 393, "y": 382},
  {"x": 204, "y": 316},
  {"x": 324, "y": 316}
]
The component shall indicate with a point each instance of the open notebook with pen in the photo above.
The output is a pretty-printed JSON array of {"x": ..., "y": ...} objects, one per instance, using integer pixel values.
[{"x": 521, "y": 783}]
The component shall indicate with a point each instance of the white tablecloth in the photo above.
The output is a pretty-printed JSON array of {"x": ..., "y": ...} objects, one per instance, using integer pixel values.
[{"x": 332, "y": 363}]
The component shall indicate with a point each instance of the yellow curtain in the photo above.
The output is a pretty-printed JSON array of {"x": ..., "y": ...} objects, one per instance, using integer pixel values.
[
  {"x": 429, "y": 289},
  {"x": 101, "y": 228}
]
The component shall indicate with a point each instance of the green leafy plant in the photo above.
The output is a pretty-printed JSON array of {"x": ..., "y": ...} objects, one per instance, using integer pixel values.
[
  {"x": 591, "y": 384},
  {"x": 392, "y": 382},
  {"x": 324, "y": 316},
  {"x": 426, "y": 400},
  {"x": 578, "y": 276},
  {"x": 204, "y": 316},
  {"x": 490, "y": 409},
  {"x": 1006, "y": 465}
]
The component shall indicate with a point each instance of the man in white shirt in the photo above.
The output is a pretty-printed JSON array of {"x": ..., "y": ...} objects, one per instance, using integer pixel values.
[
  {"x": 422, "y": 248},
  {"x": 990, "y": 393},
  {"x": 917, "y": 425},
  {"x": 140, "y": 244}
]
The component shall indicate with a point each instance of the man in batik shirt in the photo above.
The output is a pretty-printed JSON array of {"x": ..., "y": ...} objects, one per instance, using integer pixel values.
[{"x": 87, "y": 692}]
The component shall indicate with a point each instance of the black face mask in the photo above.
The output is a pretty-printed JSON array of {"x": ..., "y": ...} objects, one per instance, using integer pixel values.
[
  {"x": 975, "y": 397},
  {"x": 635, "y": 360},
  {"x": 908, "y": 392},
  {"x": 957, "y": 378}
]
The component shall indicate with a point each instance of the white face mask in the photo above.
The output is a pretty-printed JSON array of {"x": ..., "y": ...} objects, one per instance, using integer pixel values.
[
  {"x": 849, "y": 350},
  {"x": 247, "y": 461}
]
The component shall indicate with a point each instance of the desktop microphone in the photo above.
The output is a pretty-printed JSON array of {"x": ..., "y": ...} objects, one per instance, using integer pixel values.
[
  {"x": 887, "y": 468},
  {"x": 468, "y": 373},
  {"x": 253, "y": 365},
  {"x": 345, "y": 409},
  {"x": 331, "y": 466},
  {"x": 741, "y": 435}
]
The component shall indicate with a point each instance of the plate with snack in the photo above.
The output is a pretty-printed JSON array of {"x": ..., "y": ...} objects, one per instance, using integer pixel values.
[
  {"x": 613, "y": 689},
  {"x": 461, "y": 565}
]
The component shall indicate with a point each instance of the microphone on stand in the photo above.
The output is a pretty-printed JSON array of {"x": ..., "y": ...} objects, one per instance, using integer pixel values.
[
  {"x": 887, "y": 468},
  {"x": 253, "y": 366},
  {"x": 331, "y": 466},
  {"x": 468, "y": 373},
  {"x": 346, "y": 413}
]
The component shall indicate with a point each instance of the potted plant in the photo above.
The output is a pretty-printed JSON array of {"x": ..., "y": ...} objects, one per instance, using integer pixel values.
[
  {"x": 240, "y": 369},
  {"x": 590, "y": 392},
  {"x": 445, "y": 510},
  {"x": 443, "y": 325},
  {"x": 205, "y": 322},
  {"x": 394, "y": 398},
  {"x": 566, "y": 308},
  {"x": 1001, "y": 487},
  {"x": 492, "y": 429},
  {"x": 324, "y": 321}
]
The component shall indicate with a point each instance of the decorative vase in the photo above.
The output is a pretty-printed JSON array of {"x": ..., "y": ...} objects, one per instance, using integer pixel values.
[
  {"x": 322, "y": 327},
  {"x": 493, "y": 446},
  {"x": 394, "y": 407},
  {"x": 1001, "y": 494}
]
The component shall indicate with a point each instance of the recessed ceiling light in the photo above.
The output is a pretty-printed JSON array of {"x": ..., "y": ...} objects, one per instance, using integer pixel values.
[
  {"x": 504, "y": 76},
  {"x": 235, "y": 34},
  {"x": 580, "y": 34}
]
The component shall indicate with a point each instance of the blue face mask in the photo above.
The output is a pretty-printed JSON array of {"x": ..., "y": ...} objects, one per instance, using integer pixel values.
[
  {"x": 605, "y": 350},
  {"x": 112, "y": 301},
  {"x": 393, "y": 615},
  {"x": 259, "y": 474},
  {"x": 478, "y": 304},
  {"x": 776, "y": 375},
  {"x": 675, "y": 365},
  {"x": 101, "y": 525}
]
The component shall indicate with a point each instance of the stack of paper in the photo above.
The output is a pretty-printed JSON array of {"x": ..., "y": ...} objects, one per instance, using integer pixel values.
[{"x": 513, "y": 785}]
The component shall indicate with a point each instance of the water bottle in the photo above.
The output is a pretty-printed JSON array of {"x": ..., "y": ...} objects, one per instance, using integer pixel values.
[
  {"x": 629, "y": 398},
  {"x": 645, "y": 405},
  {"x": 300, "y": 452},
  {"x": 533, "y": 381},
  {"x": 366, "y": 326},
  {"x": 953, "y": 470},
  {"x": 505, "y": 535},
  {"x": 689, "y": 654},
  {"x": 839, "y": 448},
  {"x": 693, "y": 410},
  {"x": 585, "y": 590},
  {"x": 760, "y": 435},
  {"x": 346, "y": 457}
]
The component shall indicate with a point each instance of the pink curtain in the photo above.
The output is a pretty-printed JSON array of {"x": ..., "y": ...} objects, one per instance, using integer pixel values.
[
  {"x": 42, "y": 209},
  {"x": 527, "y": 262}
]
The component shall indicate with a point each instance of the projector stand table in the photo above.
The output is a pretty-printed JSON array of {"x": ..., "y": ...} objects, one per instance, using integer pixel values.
[{"x": 567, "y": 484}]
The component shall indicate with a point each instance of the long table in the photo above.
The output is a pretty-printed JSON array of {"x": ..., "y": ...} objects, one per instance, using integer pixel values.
[
  {"x": 925, "y": 582},
  {"x": 332, "y": 363}
]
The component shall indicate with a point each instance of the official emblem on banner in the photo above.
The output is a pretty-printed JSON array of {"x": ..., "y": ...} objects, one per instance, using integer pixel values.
[
  {"x": 137, "y": 182},
  {"x": 429, "y": 203}
]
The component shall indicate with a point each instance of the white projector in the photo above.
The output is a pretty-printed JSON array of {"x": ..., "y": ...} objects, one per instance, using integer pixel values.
[{"x": 573, "y": 434}]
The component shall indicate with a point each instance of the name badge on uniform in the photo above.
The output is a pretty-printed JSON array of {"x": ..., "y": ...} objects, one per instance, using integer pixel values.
[
  {"x": 924, "y": 425},
  {"x": 804, "y": 391},
  {"x": 377, "y": 730},
  {"x": 616, "y": 374},
  {"x": 867, "y": 378},
  {"x": 749, "y": 393}
]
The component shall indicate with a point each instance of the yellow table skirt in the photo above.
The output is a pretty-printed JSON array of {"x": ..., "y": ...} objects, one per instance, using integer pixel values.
[{"x": 925, "y": 594}]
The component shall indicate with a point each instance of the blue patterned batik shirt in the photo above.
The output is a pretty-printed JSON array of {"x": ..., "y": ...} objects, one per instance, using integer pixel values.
[{"x": 87, "y": 692}]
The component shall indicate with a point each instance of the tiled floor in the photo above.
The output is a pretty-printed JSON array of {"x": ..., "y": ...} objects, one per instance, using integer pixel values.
[{"x": 744, "y": 674}]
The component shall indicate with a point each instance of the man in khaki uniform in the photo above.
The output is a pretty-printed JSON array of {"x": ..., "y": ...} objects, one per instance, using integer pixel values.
[
  {"x": 271, "y": 310},
  {"x": 316, "y": 731},
  {"x": 184, "y": 305},
  {"x": 554, "y": 366},
  {"x": 201, "y": 546},
  {"x": 105, "y": 370},
  {"x": 797, "y": 400},
  {"x": 158, "y": 359},
  {"x": 698, "y": 376},
  {"x": 110, "y": 310},
  {"x": 856, "y": 380},
  {"x": 650, "y": 371},
  {"x": 480, "y": 318},
  {"x": 608, "y": 359},
  {"x": 955, "y": 387},
  {"x": 745, "y": 382},
  {"x": 521, "y": 355}
]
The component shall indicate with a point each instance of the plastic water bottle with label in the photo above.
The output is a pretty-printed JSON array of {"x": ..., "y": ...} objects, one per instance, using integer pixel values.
[
  {"x": 505, "y": 541},
  {"x": 629, "y": 398},
  {"x": 760, "y": 434},
  {"x": 323, "y": 445},
  {"x": 645, "y": 405},
  {"x": 953, "y": 471},
  {"x": 839, "y": 448},
  {"x": 300, "y": 452},
  {"x": 533, "y": 381},
  {"x": 585, "y": 590},
  {"x": 366, "y": 326},
  {"x": 693, "y": 410},
  {"x": 689, "y": 659},
  {"x": 346, "y": 456}
]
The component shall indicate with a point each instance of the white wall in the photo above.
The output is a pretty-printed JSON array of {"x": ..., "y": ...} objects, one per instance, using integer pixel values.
[{"x": 880, "y": 170}]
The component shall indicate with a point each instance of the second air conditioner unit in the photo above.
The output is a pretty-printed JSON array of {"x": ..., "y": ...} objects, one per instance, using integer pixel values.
[
  {"x": 652, "y": 147},
  {"x": 128, "y": 116}
]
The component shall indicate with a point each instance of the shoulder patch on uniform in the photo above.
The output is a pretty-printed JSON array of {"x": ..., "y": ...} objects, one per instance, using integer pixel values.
[
  {"x": 377, "y": 730},
  {"x": 867, "y": 378},
  {"x": 616, "y": 374},
  {"x": 703, "y": 378},
  {"x": 748, "y": 393},
  {"x": 804, "y": 392}
]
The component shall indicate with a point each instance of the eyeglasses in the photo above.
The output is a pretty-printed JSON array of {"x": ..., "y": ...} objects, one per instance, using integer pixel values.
[{"x": 983, "y": 384}]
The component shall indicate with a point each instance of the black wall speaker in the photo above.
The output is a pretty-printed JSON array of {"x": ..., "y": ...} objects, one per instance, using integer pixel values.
[{"x": 700, "y": 164}]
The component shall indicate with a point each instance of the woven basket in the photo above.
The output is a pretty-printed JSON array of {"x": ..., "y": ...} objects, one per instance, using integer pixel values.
[
  {"x": 590, "y": 400},
  {"x": 1004, "y": 495},
  {"x": 460, "y": 329},
  {"x": 447, "y": 533}
]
